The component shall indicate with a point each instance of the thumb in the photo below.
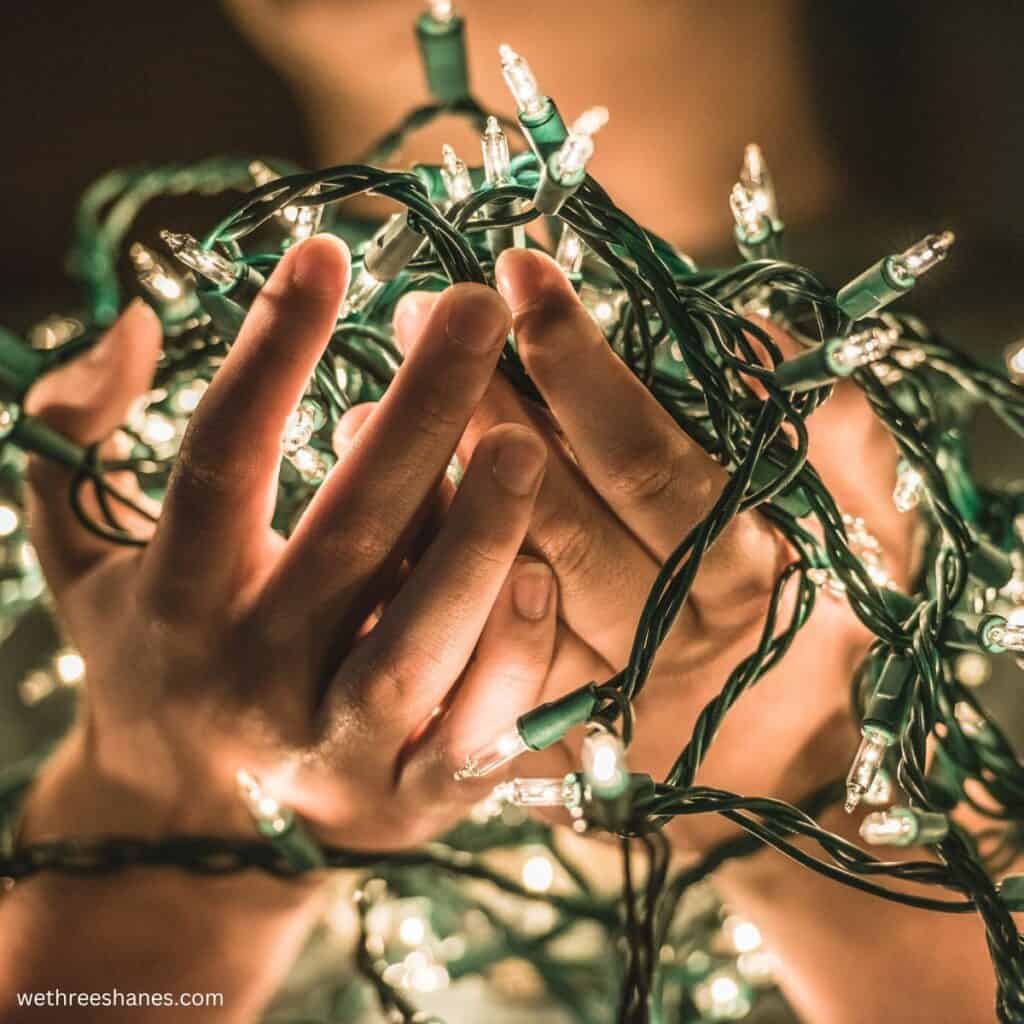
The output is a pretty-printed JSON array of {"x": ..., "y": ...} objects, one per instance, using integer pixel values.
[{"x": 85, "y": 400}]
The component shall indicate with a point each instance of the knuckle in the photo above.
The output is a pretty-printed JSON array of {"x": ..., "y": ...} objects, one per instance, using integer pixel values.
[
  {"x": 642, "y": 475},
  {"x": 197, "y": 468},
  {"x": 566, "y": 544}
]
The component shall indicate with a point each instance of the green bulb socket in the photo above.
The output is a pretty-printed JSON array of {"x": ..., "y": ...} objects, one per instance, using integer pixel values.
[
  {"x": 293, "y": 842},
  {"x": 879, "y": 285},
  {"x": 443, "y": 51},
  {"x": 545, "y": 131},
  {"x": 888, "y": 707},
  {"x": 763, "y": 246},
  {"x": 20, "y": 365},
  {"x": 984, "y": 633},
  {"x": 33, "y": 435},
  {"x": 552, "y": 191},
  {"x": 546, "y": 724},
  {"x": 807, "y": 371}
]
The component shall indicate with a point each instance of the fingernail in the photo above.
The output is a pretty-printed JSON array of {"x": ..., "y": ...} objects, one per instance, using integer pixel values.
[
  {"x": 522, "y": 274},
  {"x": 477, "y": 317},
  {"x": 319, "y": 263},
  {"x": 531, "y": 589},
  {"x": 518, "y": 464},
  {"x": 410, "y": 314}
]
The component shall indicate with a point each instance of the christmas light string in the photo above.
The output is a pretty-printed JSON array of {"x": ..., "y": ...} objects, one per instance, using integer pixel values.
[{"x": 687, "y": 335}]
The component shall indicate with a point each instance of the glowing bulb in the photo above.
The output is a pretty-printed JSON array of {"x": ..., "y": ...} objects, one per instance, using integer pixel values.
[
  {"x": 538, "y": 873},
  {"x": 312, "y": 464},
  {"x": 263, "y": 807},
  {"x": 36, "y": 687},
  {"x": 909, "y": 487},
  {"x": 412, "y": 931},
  {"x": 751, "y": 221},
  {"x": 604, "y": 762},
  {"x": 70, "y": 667},
  {"x": 569, "y": 255},
  {"x": 157, "y": 429},
  {"x": 972, "y": 723},
  {"x": 539, "y": 792},
  {"x": 578, "y": 147},
  {"x": 361, "y": 292},
  {"x": 880, "y": 791},
  {"x": 442, "y": 11},
  {"x": 55, "y": 331},
  {"x": 299, "y": 221},
  {"x": 1014, "y": 356},
  {"x": 744, "y": 936},
  {"x": 972, "y": 669},
  {"x": 211, "y": 265},
  {"x": 497, "y": 161},
  {"x": 928, "y": 253},
  {"x": 301, "y": 425},
  {"x": 866, "y": 763},
  {"x": 154, "y": 275},
  {"x": 756, "y": 179},
  {"x": 900, "y": 826},
  {"x": 722, "y": 996},
  {"x": 455, "y": 175},
  {"x": 186, "y": 399},
  {"x": 860, "y": 349},
  {"x": 489, "y": 758},
  {"x": 521, "y": 82},
  {"x": 10, "y": 520}
]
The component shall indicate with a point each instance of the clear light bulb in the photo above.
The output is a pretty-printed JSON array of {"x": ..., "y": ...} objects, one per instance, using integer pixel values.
[
  {"x": 866, "y": 763},
  {"x": 578, "y": 148},
  {"x": 521, "y": 82},
  {"x": 723, "y": 995},
  {"x": 505, "y": 747},
  {"x": 928, "y": 253},
  {"x": 455, "y": 175},
  {"x": 1014, "y": 357},
  {"x": 10, "y": 519},
  {"x": 864, "y": 347},
  {"x": 361, "y": 292},
  {"x": 301, "y": 425},
  {"x": 900, "y": 826},
  {"x": 751, "y": 221},
  {"x": 299, "y": 221},
  {"x": 909, "y": 488},
  {"x": 264, "y": 808},
  {"x": 756, "y": 179},
  {"x": 155, "y": 275},
  {"x": 497, "y": 161},
  {"x": 540, "y": 792},
  {"x": 604, "y": 762},
  {"x": 1006, "y": 633},
  {"x": 313, "y": 465},
  {"x": 69, "y": 666},
  {"x": 570, "y": 251},
  {"x": 538, "y": 873},
  {"x": 880, "y": 791},
  {"x": 54, "y": 331},
  {"x": 216, "y": 268}
]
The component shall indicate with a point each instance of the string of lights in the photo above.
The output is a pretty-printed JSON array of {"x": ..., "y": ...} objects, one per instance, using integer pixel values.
[{"x": 687, "y": 333}]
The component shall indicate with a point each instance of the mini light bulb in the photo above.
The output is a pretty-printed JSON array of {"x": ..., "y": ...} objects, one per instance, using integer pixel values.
[
  {"x": 155, "y": 275},
  {"x": 505, "y": 747},
  {"x": 756, "y": 179},
  {"x": 751, "y": 222},
  {"x": 570, "y": 251},
  {"x": 900, "y": 826},
  {"x": 743, "y": 936},
  {"x": 604, "y": 762},
  {"x": 909, "y": 488},
  {"x": 928, "y": 253},
  {"x": 54, "y": 331},
  {"x": 299, "y": 221},
  {"x": 10, "y": 519},
  {"x": 361, "y": 292},
  {"x": 521, "y": 82},
  {"x": 217, "y": 269},
  {"x": 1014, "y": 358},
  {"x": 69, "y": 666},
  {"x": 497, "y": 161},
  {"x": 313, "y": 465},
  {"x": 455, "y": 175},
  {"x": 880, "y": 792},
  {"x": 866, "y": 763},
  {"x": 538, "y": 873},
  {"x": 723, "y": 995},
  {"x": 301, "y": 425},
  {"x": 265, "y": 809},
  {"x": 540, "y": 792},
  {"x": 442, "y": 11},
  {"x": 861, "y": 349},
  {"x": 578, "y": 147},
  {"x": 1007, "y": 634}
]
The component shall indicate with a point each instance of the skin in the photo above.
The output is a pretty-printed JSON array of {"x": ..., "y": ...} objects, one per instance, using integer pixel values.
[{"x": 172, "y": 710}]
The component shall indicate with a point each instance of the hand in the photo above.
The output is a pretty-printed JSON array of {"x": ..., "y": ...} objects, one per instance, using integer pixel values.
[
  {"x": 623, "y": 486},
  {"x": 222, "y": 646}
]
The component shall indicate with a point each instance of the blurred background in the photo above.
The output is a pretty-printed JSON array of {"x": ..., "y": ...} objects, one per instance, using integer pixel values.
[{"x": 881, "y": 121}]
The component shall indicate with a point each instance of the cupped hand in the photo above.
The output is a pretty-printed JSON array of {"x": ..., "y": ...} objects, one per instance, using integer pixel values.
[
  {"x": 222, "y": 646},
  {"x": 624, "y": 485}
]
